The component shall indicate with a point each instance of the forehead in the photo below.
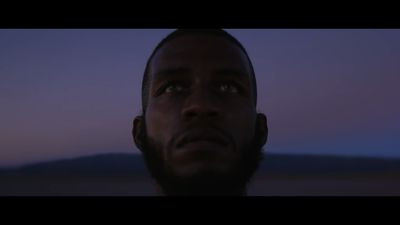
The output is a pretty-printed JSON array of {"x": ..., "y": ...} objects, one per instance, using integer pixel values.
[{"x": 200, "y": 51}]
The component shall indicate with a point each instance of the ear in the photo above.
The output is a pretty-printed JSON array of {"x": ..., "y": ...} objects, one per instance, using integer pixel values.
[
  {"x": 262, "y": 128},
  {"x": 138, "y": 132}
]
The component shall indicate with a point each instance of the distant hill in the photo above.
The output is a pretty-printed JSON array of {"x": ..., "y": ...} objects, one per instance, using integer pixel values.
[
  {"x": 317, "y": 164},
  {"x": 131, "y": 164},
  {"x": 102, "y": 164},
  {"x": 279, "y": 174}
]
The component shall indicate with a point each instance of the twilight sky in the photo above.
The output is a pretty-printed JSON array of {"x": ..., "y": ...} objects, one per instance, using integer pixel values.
[{"x": 72, "y": 92}]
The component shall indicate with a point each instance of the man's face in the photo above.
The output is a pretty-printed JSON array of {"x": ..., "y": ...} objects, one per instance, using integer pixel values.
[{"x": 201, "y": 113}]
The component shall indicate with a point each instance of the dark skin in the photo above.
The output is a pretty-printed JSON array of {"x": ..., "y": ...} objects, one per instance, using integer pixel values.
[{"x": 201, "y": 112}]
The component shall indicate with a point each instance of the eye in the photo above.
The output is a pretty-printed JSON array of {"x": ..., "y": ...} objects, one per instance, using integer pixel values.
[
  {"x": 228, "y": 88},
  {"x": 173, "y": 87}
]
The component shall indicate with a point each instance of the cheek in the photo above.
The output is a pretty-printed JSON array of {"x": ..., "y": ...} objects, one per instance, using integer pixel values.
[
  {"x": 159, "y": 123},
  {"x": 242, "y": 126}
]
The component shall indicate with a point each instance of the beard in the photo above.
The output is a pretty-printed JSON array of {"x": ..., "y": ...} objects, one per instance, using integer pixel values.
[{"x": 205, "y": 182}]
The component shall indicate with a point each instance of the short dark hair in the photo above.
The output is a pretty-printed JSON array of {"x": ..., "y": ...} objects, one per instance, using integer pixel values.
[{"x": 182, "y": 32}]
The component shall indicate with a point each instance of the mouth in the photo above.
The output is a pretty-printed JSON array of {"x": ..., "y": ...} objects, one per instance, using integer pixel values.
[
  {"x": 208, "y": 138},
  {"x": 202, "y": 148}
]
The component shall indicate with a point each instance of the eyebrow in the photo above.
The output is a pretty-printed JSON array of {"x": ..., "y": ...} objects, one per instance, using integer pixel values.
[
  {"x": 171, "y": 72},
  {"x": 233, "y": 73}
]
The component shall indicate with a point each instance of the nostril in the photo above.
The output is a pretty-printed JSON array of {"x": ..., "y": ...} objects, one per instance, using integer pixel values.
[
  {"x": 213, "y": 113},
  {"x": 190, "y": 114},
  {"x": 200, "y": 112}
]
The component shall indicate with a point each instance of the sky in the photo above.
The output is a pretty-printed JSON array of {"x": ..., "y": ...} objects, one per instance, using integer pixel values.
[{"x": 72, "y": 92}]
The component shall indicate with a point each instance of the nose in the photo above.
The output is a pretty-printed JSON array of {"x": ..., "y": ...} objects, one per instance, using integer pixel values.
[{"x": 201, "y": 104}]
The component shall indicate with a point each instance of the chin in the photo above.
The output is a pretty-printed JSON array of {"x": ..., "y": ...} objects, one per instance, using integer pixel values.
[
  {"x": 201, "y": 167},
  {"x": 189, "y": 162},
  {"x": 199, "y": 162}
]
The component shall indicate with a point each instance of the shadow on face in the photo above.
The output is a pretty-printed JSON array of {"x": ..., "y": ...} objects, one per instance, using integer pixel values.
[{"x": 200, "y": 127}]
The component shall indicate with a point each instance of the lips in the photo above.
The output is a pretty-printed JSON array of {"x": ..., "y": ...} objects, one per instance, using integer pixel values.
[{"x": 202, "y": 136}]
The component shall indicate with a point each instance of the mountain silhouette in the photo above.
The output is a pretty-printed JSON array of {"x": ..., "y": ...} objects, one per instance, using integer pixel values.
[
  {"x": 131, "y": 164},
  {"x": 124, "y": 174}
]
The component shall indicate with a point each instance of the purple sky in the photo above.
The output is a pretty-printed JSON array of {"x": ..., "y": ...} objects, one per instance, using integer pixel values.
[{"x": 66, "y": 93}]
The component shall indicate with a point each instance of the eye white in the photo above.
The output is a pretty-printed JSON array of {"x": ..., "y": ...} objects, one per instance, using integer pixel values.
[
  {"x": 174, "y": 88},
  {"x": 228, "y": 88}
]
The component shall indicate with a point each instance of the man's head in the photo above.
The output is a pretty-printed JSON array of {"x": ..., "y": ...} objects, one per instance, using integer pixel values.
[{"x": 200, "y": 132}]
